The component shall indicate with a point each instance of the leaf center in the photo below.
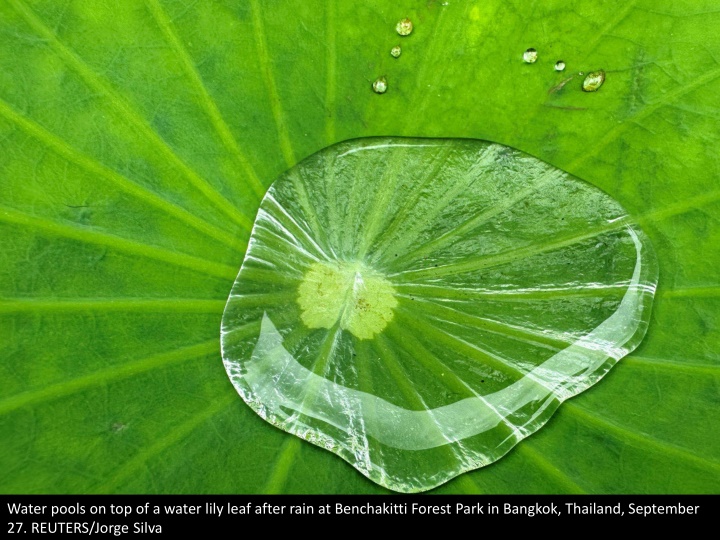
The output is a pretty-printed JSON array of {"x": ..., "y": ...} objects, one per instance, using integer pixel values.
[{"x": 350, "y": 293}]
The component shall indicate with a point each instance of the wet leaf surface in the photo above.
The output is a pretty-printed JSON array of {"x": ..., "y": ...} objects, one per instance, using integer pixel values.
[{"x": 420, "y": 306}]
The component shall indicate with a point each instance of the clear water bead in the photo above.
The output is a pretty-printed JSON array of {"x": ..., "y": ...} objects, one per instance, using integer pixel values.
[
  {"x": 404, "y": 27},
  {"x": 380, "y": 85}
]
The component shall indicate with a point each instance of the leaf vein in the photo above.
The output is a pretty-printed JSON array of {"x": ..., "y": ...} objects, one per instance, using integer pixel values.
[
  {"x": 107, "y": 375},
  {"x": 85, "y": 234},
  {"x": 90, "y": 164},
  {"x": 126, "y": 109},
  {"x": 208, "y": 102}
]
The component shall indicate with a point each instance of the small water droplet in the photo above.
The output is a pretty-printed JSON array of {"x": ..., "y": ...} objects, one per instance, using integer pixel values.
[
  {"x": 559, "y": 65},
  {"x": 396, "y": 51},
  {"x": 593, "y": 81},
  {"x": 404, "y": 27},
  {"x": 530, "y": 56},
  {"x": 380, "y": 85}
]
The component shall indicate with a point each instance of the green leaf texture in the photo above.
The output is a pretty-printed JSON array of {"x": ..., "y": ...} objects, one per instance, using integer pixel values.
[{"x": 139, "y": 137}]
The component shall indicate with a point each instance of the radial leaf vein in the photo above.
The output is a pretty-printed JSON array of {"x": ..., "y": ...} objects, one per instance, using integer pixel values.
[
  {"x": 107, "y": 375},
  {"x": 85, "y": 234},
  {"x": 510, "y": 331},
  {"x": 673, "y": 365},
  {"x": 287, "y": 456},
  {"x": 381, "y": 201},
  {"x": 489, "y": 261},
  {"x": 681, "y": 207},
  {"x": 283, "y": 464},
  {"x": 410, "y": 234},
  {"x": 625, "y": 433},
  {"x": 531, "y": 295},
  {"x": 692, "y": 292},
  {"x": 434, "y": 365},
  {"x": 400, "y": 376},
  {"x": 266, "y": 66},
  {"x": 166, "y": 440},
  {"x": 208, "y": 103},
  {"x": 400, "y": 217},
  {"x": 453, "y": 382},
  {"x": 551, "y": 470},
  {"x": 62, "y": 148},
  {"x": 146, "y": 305},
  {"x": 601, "y": 34},
  {"x": 457, "y": 232},
  {"x": 397, "y": 371},
  {"x": 671, "y": 96},
  {"x": 464, "y": 348},
  {"x": 128, "y": 112},
  {"x": 330, "y": 71},
  {"x": 421, "y": 96}
]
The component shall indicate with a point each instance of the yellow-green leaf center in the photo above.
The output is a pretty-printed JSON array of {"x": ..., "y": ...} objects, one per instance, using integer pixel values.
[{"x": 357, "y": 297}]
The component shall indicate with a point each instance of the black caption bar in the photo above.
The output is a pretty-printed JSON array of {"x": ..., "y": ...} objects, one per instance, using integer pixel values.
[{"x": 121, "y": 515}]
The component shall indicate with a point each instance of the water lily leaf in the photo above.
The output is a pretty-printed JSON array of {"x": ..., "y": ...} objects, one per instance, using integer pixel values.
[
  {"x": 139, "y": 137},
  {"x": 420, "y": 306}
]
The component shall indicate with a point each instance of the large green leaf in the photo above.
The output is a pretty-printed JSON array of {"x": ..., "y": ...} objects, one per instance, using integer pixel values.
[{"x": 138, "y": 138}]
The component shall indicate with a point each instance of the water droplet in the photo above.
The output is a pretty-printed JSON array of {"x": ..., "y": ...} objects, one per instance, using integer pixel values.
[
  {"x": 349, "y": 290},
  {"x": 396, "y": 51},
  {"x": 404, "y": 27},
  {"x": 530, "y": 56},
  {"x": 380, "y": 85},
  {"x": 559, "y": 65},
  {"x": 593, "y": 81}
]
